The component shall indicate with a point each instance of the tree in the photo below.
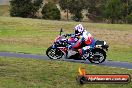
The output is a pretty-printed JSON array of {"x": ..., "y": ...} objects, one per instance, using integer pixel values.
[
  {"x": 94, "y": 8},
  {"x": 113, "y": 10},
  {"x": 129, "y": 6},
  {"x": 24, "y": 8},
  {"x": 50, "y": 11},
  {"x": 75, "y": 7},
  {"x": 65, "y": 4},
  {"x": 129, "y": 18}
]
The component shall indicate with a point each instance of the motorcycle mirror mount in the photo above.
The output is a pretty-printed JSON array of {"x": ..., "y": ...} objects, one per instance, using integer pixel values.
[{"x": 61, "y": 30}]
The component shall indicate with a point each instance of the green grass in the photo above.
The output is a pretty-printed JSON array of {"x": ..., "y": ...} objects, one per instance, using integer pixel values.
[
  {"x": 23, "y": 49},
  {"x": 35, "y": 36},
  {"x": 4, "y": 10},
  {"x": 28, "y": 73}
]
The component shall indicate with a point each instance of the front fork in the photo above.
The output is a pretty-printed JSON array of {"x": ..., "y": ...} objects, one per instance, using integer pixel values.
[{"x": 62, "y": 49}]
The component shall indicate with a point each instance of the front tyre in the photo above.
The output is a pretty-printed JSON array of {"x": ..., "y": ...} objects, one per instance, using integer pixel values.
[
  {"x": 98, "y": 56},
  {"x": 54, "y": 53}
]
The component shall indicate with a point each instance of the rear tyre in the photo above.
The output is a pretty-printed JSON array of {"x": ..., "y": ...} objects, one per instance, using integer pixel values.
[
  {"x": 54, "y": 53},
  {"x": 98, "y": 56}
]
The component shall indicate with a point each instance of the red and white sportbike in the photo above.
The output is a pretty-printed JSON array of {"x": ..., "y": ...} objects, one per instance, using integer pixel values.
[{"x": 59, "y": 49}]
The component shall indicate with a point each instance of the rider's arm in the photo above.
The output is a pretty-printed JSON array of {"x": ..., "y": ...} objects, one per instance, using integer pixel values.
[
  {"x": 89, "y": 40},
  {"x": 77, "y": 44},
  {"x": 69, "y": 34}
]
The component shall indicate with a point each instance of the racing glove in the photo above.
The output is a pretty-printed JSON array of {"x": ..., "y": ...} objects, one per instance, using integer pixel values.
[{"x": 69, "y": 47}]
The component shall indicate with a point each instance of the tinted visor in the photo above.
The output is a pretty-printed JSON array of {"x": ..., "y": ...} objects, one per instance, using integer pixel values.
[{"x": 77, "y": 32}]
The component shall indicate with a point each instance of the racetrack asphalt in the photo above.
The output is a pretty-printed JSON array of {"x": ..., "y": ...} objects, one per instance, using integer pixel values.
[{"x": 126, "y": 65}]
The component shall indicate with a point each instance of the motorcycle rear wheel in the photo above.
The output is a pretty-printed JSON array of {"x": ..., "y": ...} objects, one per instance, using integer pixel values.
[{"x": 99, "y": 56}]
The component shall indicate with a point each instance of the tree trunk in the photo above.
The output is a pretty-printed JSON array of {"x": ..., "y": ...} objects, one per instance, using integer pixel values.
[
  {"x": 67, "y": 15},
  {"x": 112, "y": 20}
]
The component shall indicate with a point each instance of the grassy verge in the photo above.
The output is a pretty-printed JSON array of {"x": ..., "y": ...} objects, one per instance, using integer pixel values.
[
  {"x": 28, "y": 73},
  {"x": 35, "y": 36},
  {"x": 23, "y": 49}
]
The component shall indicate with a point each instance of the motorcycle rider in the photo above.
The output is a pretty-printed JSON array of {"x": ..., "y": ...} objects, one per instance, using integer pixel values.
[{"x": 85, "y": 41}]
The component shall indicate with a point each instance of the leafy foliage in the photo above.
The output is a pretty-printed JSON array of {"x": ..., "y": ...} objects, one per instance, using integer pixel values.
[
  {"x": 113, "y": 10},
  {"x": 129, "y": 18},
  {"x": 94, "y": 8},
  {"x": 75, "y": 7},
  {"x": 24, "y": 8},
  {"x": 50, "y": 11}
]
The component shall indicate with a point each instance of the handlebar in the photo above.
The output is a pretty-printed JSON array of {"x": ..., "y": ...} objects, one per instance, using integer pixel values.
[{"x": 66, "y": 35}]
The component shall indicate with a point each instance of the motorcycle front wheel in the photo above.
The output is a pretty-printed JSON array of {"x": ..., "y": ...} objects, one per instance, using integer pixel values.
[{"x": 54, "y": 53}]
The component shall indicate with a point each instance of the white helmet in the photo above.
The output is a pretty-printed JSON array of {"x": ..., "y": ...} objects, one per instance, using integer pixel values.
[{"x": 79, "y": 29}]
